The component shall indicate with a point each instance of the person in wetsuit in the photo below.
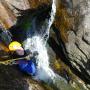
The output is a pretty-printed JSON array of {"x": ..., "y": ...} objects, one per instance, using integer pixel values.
[{"x": 17, "y": 51}]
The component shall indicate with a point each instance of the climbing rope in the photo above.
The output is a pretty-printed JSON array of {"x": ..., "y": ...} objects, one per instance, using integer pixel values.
[{"x": 13, "y": 61}]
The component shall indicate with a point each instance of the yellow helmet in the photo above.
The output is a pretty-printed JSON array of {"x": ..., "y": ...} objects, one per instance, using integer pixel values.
[{"x": 14, "y": 46}]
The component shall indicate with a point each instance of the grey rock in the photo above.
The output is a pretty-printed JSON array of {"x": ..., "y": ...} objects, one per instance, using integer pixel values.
[
  {"x": 78, "y": 45},
  {"x": 12, "y": 79}
]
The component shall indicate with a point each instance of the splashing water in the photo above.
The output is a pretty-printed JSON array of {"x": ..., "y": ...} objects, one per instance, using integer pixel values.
[
  {"x": 44, "y": 72},
  {"x": 53, "y": 12},
  {"x": 37, "y": 44}
]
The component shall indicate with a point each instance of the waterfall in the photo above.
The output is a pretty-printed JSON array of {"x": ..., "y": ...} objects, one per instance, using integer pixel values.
[
  {"x": 37, "y": 44},
  {"x": 50, "y": 21},
  {"x": 44, "y": 72}
]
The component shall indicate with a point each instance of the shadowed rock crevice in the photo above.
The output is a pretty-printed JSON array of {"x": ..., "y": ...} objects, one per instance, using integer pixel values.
[
  {"x": 60, "y": 52},
  {"x": 78, "y": 47}
]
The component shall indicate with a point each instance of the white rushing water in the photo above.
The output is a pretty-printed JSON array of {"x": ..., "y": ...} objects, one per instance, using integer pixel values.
[
  {"x": 52, "y": 16},
  {"x": 44, "y": 72},
  {"x": 36, "y": 44}
]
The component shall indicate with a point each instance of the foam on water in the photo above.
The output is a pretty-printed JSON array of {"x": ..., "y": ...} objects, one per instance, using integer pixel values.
[
  {"x": 50, "y": 21},
  {"x": 36, "y": 44},
  {"x": 44, "y": 72}
]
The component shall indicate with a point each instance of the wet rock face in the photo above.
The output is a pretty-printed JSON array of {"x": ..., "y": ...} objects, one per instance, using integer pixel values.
[
  {"x": 9, "y": 81},
  {"x": 12, "y": 79},
  {"x": 78, "y": 45}
]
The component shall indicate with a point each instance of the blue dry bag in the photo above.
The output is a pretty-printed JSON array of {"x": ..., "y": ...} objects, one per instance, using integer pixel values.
[{"x": 27, "y": 66}]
